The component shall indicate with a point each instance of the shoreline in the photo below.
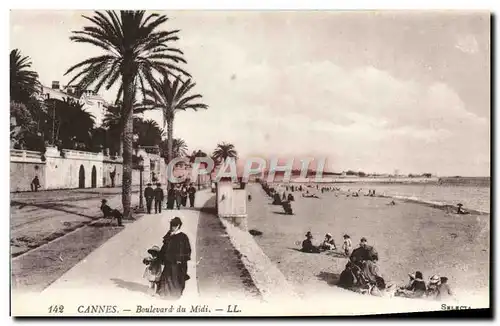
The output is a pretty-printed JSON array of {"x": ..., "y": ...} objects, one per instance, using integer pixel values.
[{"x": 312, "y": 271}]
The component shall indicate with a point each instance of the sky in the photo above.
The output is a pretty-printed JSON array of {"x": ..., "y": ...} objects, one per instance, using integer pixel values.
[{"x": 370, "y": 91}]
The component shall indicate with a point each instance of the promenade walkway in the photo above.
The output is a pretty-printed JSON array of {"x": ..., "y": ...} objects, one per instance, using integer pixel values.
[{"x": 113, "y": 272}]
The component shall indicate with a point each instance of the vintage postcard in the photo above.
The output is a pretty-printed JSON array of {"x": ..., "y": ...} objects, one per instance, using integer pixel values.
[{"x": 249, "y": 163}]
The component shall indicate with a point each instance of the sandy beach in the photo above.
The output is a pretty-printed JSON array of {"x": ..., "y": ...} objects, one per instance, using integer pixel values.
[{"x": 408, "y": 237}]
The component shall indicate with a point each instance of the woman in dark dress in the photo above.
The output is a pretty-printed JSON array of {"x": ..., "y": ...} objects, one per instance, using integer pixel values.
[
  {"x": 184, "y": 195},
  {"x": 171, "y": 197},
  {"x": 174, "y": 255}
]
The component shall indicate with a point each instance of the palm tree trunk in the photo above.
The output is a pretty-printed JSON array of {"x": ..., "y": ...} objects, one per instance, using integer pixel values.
[
  {"x": 120, "y": 149},
  {"x": 170, "y": 141},
  {"x": 128, "y": 93}
]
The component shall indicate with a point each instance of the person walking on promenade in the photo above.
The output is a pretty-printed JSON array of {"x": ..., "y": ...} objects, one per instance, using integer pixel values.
[
  {"x": 158, "y": 193},
  {"x": 178, "y": 197},
  {"x": 174, "y": 254},
  {"x": 171, "y": 197},
  {"x": 192, "y": 194},
  {"x": 149, "y": 194},
  {"x": 35, "y": 184},
  {"x": 184, "y": 195}
]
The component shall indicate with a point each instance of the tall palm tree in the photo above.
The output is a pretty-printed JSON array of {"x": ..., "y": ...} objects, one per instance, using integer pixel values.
[
  {"x": 223, "y": 151},
  {"x": 23, "y": 81},
  {"x": 172, "y": 97},
  {"x": 179, "y": 147},
  {"x": 149, "y": 132},
  {"x": 66, "y": 131},
  {"x": 192, "y": 159},
  {"x": 113, "y": 124},
  {"x": 134, "y": 49}
]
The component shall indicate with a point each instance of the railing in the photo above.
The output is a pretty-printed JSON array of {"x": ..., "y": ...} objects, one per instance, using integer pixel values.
[
  {"x": 25, "y": 154},
  {"x": 81, "y": 153}
]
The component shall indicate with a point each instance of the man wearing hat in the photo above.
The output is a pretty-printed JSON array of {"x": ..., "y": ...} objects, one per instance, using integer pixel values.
[
  {"x": 149, "y": 195},
  {"x": 364, "y": 252},
  {"x": 174, "y": 254},
  {"x": 111, "y": 213},
  {"x": 307, "y": 245},
  {"x": 158, "y": 196}
]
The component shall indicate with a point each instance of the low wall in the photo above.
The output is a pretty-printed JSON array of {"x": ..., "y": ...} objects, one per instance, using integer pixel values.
[
  {"x": 74, "y": 169},
  {"x": 268, "y": 279}
]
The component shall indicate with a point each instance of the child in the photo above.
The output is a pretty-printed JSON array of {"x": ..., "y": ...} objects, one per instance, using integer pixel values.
[
  {"x": 153, "y": 267},
  {"x": 347, "y": 245}
]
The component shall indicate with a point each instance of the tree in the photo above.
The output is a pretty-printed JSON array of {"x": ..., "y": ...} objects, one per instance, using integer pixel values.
[
  {"x": 223, "y": 151},
  {"x": 192, "y": 159},
  {"x": 134, "y": 50},
  {"x": 23, "y": 81},
  {"x": 171, "y": 97},
  {"x": 70, "y": 124},
  {"x": 149, "y": 132},
  {"x": 112, "y": 122},
  {"x": 179, "y": 148}
]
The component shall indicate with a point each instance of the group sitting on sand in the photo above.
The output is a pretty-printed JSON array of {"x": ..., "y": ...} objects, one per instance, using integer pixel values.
[
  {"x": 437, "y": 287},
  {"x": 327, "y": 244}
]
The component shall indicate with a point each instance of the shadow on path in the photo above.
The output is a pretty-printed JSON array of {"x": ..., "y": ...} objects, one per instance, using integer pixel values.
[
  {"x": 131, "y": 286},
  {"x": 55, "y": 207},
  {"x": 329, "y": 278},
  {"x": 220, "y": 272}
]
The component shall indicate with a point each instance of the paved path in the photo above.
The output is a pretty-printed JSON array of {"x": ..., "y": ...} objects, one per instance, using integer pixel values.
[{"x": 113, "y": 272}]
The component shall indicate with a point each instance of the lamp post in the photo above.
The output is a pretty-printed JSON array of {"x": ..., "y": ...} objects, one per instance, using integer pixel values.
[{"x": 141, "y": 168}]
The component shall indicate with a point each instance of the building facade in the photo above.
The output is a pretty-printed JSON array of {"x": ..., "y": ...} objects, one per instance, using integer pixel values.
[{"x": 92, "y": 102}]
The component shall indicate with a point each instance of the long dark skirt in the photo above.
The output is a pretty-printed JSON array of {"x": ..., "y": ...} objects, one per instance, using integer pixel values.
[
  {"x": 172, "y": 280},
  {"x": 184, "y": 201},
  {"x": 170, "y": 202}
]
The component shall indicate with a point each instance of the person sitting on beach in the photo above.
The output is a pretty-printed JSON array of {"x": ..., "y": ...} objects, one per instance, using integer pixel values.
[
  {"x": 277, "y": 199},
  {"x": 432, "y": 287},
  {"x": 392, "y": 203},
  {"x": 290, "y": 197},
  {"x": 328, "y": 243},
  {"x": 460, "y": 210},
  {"x": 416, "y": 288},
  {"x": 347, "y": 245},
  {"x": 307, "y": 245},
  {"x": 444, "y": 291},
  {"x": 364, "y": 252},
  {"x": 287, "y": 206}
]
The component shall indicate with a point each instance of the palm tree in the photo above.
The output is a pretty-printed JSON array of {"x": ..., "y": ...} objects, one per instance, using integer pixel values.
[
  {"x": 68, "y": 133},
  {"x": 179, "y": 147},
  {"x": 192, "y": 159},
  {"x": 134, "y": 49},
  {"x": 149, "y": 132},
  {"x": 112, "y": 122},
  {"x": 223, "y": 151},
  {"x": 23, "y": 81},
  {"x": 171, "y": 97}
]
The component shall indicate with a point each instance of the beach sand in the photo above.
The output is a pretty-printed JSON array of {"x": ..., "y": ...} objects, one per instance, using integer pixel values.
[{"x": 408, "y": 237}]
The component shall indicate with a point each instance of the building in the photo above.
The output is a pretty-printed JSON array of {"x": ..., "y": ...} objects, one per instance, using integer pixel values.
[{"x": 92, "y": 102}]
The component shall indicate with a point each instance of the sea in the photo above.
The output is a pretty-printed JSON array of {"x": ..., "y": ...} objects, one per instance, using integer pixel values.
[
  {"x": 472, "y": 197},
  {"x": 473, "y": 192}
]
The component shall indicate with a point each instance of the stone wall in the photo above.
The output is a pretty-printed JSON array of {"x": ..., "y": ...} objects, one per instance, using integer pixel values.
[
  {"x": 24, "y": 166},
  {"x": 73, "y": 169}
]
